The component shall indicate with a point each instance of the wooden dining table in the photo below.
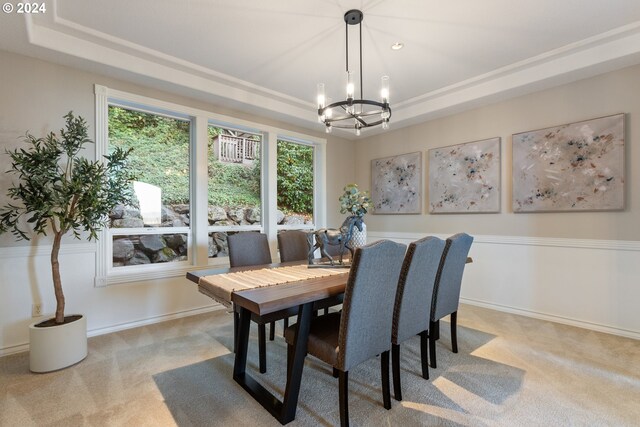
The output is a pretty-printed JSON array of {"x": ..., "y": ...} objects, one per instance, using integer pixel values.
[{"x": 265, "y": 304}]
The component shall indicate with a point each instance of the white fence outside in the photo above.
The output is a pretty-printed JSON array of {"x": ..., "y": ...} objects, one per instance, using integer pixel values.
[{"x": 233, "y": 149}]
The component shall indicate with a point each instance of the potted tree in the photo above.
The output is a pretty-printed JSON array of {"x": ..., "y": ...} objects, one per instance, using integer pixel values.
[{"x": 59, "y": 192}]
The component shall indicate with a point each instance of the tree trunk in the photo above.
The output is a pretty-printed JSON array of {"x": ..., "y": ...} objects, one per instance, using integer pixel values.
[{"x": 55, "y": 272}]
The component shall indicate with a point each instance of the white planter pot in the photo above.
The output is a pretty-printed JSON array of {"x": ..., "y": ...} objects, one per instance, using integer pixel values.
[
  {"x": 56, "y": 347},
  {"x": 359, "y": 238}
]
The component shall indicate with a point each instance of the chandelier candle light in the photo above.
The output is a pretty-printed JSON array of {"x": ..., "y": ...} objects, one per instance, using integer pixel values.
[{"x": 354, "y": 113}]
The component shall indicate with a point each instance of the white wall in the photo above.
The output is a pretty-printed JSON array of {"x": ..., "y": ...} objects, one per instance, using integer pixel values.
[
  {"x": 35, "y": 96},
  {"x": 581, "y": 268}
]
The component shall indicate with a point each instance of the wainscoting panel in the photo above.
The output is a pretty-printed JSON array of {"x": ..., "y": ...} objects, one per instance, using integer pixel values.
[
  {"x": 25, "y": 278},
  {"x": 593, "y": 284}
]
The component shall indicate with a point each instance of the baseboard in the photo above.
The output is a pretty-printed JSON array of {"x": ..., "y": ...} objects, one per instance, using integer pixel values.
[
  {"x": 19, "y": 348},
  {"x": 156, "y": 319},
  {"x": 553, "y": 318},
  {"x": 14, "y": 349}
]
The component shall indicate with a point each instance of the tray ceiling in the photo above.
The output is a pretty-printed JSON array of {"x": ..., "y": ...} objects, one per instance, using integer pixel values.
[{"x": 267, "y": 57}]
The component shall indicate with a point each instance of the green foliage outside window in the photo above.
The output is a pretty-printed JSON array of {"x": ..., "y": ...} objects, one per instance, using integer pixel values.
[
  {"x": 160, "y": 153},
  {"x": 295, "y": 177},
  {"x": 160, "y": 157}
]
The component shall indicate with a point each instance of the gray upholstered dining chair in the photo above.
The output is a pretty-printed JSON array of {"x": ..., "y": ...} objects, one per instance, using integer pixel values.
[
  {"x": 412, "y": 309},
  {"x": 293, "y": 246},
  {"x": 446, "y": 292},
  {"x": 363, "y": 329},
  {"x": 246, "y": 249}
]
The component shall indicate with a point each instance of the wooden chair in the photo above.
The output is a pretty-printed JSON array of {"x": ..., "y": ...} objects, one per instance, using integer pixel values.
[
  {"x": 363, "y": 329},
  {"x": 446, "y": 292},
  {"x": 246, "y": 249},
  {"x": 411, "y": 312}
]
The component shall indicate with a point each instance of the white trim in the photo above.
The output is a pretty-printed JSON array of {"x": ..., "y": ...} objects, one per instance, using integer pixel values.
[
  {"x": 296, "y": 227},
  {"x": 14, "y": 349},
  {"x": 155, "y": 319},
  {"x": 553, "y": 318},
  {"x": 617, "y": 245},
  {"x": 214, "y": 228},
  {"x": 148, "y": 230},
  {"x": 20, "y": 348},
  {"x": 102, "y": 141},
  {"x": 45, "y": 250},
  {"x": 152, "y": 272},
  {"x": 606, "y": 51}
]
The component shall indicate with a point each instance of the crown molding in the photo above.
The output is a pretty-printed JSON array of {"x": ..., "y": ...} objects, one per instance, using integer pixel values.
[{"x": 604, "y": 52}]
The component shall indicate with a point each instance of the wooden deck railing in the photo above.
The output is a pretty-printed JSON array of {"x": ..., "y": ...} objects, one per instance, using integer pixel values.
[{"x": 233, "y": 149}]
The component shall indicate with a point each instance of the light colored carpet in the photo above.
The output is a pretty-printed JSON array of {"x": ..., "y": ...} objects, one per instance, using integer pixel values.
[{"x": 510, "y": 371}]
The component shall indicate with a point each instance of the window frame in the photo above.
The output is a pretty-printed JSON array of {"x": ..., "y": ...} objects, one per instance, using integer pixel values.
[
  {"x": 111, "y": 232},
  {"x": 198, "y": 230}
]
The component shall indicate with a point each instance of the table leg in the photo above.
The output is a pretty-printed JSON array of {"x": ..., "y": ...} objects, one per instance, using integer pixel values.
[
  {"x": 284, "y": 411},
  {"x": 294, "y": 378}
]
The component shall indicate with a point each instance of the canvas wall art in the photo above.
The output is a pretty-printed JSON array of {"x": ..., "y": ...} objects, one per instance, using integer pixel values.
[
  {"x": 396, "y": 184},
  {"x": 465, "y": 178},
  {"x": 573, "y": 167}
]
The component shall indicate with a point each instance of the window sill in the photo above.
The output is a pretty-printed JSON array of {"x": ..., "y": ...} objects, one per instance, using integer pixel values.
[{"x": 151, "y": 274}]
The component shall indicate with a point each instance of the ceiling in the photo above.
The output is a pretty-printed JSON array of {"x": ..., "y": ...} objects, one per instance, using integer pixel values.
[{"x": 267, "y": 57}]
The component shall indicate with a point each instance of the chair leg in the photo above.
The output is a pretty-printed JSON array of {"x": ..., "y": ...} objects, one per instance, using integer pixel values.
[
  {"x": 285, "y": 324},
  {"x": 272, "y": 331},
  {"x": 262, "y": 347},
  {"x": 336, "y": 373},
  {"x": 424, "y": 358},
  {"x": 384, "y": 367},
  {"x": 454, "y": 331},
  {"x": 432, "y": 344},
  {"x": 326, "y": 311},
  {"x": 343, "y": 393},
  {"x": 395, "y": 367},
  {"x": 435, "y": 330}
]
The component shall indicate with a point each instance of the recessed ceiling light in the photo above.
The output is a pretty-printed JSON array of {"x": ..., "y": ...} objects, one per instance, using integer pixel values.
[{"x": 397, "y": 46}]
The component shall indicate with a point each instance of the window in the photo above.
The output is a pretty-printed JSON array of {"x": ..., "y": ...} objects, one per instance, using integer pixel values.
[
  {"x": 295, "y": 184},
  {"x": 155, "y": 228},
  {"x": 200, "y": 177},
  {"x": 234, "y": 172}
]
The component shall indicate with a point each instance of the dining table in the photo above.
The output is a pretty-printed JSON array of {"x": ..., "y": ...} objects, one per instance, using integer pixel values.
[
  {"x": 253, "y": 296},
  {"x": 266, "y": 302}
]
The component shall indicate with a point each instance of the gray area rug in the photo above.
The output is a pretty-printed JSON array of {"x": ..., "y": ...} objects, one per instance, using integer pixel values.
[{"x": 510, "y": 371}]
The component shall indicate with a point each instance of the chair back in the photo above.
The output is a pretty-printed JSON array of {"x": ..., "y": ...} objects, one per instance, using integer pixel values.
[
  {"x": 293, "y": 246},
  {"x": 248, "y": 248},
  {"x": 446, "y": 294},
  {"x": 415, "y": 288},
  {"x": 367, "y": 310}
]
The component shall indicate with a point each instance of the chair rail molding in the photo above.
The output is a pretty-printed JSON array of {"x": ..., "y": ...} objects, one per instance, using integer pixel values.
[{"x": 588, "y": 283}]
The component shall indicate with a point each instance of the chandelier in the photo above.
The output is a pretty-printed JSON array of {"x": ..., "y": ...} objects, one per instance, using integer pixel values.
[{"x": 354, "y": 113}]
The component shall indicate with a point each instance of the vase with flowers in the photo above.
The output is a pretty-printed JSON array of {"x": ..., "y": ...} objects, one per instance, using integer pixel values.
[{"x": 356, "y": 203}]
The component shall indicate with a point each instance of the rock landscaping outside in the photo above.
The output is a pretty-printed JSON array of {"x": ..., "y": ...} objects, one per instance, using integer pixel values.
[{"x": 157, "y": 248}]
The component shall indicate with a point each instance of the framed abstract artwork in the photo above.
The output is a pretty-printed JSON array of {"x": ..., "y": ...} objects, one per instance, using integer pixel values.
[
  {"x": 573, "y": 167},
  {"x": 396, "y": 184},
  {"x": 465, "y": 178}
]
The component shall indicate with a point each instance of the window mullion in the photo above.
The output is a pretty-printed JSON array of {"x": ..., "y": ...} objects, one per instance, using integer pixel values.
[
  {"x": 270, "y": 190},
  {"x": 199, "y": 185}
]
